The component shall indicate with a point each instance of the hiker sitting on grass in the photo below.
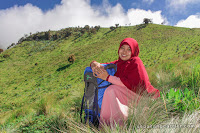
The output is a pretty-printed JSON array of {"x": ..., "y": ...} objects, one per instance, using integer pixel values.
[{"x": 130, "y": 80}]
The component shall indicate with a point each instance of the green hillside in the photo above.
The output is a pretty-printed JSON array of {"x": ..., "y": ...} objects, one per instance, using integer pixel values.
[{"x": 39, "y": 87}]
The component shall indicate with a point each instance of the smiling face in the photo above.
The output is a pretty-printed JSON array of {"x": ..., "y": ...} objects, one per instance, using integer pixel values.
[{"x": 125, "y": 52}]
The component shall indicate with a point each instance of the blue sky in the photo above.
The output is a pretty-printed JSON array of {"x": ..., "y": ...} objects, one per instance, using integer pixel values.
[
  {"x": 19, "y": 17},
  {"x": 43, "y": 4},
  {"x": 187, "y": 7}
]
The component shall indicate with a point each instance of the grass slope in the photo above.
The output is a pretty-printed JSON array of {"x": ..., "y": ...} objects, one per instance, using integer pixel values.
[{"x": 37, "y": 82}]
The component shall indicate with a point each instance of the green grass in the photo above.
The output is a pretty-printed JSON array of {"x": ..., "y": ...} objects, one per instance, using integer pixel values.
[{"x": 38, "y": 86}]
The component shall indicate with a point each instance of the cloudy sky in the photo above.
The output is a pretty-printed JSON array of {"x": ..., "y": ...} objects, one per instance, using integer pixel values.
[{"x": 20, "y": 17}]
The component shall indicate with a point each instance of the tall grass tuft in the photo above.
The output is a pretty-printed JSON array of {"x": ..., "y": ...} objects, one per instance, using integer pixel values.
[
  {"x": 145, "y": 115},
  {"x": 7, "y": 129},
  {"x": 183, "y": 77},
  {"x": 189, "y": 123},
  {"x": 146, "y": 112}
]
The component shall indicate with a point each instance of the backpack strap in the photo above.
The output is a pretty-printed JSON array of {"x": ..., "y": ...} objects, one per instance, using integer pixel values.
[
  {"x": 109, "y": 66},
  {"x": 83, "y": 101},
  {"x": 104, "y": 86},
  {"x": 82, "y": 107},
  {"x": 95, "y": 107}
]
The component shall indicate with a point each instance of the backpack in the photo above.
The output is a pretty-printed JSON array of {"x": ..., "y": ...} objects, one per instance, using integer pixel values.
[{"x": 93, "y": 94}]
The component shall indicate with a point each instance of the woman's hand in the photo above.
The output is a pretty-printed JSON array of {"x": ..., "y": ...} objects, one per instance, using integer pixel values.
[
  {"x": 99, "y": 71},
  {"x": 95, "y": 64}
]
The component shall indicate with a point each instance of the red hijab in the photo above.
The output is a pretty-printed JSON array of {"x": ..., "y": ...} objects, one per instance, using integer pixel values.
[{"x": 132, "y": 72}]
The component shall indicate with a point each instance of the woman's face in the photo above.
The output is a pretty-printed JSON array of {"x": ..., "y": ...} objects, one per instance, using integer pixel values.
[{"x": 125, "y": 52}]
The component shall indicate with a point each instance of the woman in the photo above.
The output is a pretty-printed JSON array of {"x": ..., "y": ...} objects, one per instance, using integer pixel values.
[{"x": 130, "y": 80}]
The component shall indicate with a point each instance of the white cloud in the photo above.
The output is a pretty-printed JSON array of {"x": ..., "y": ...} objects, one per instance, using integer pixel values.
[
  {"x": 192, "y": 21},
  {"x": 20, "y": 20},
  {"x": 148, "y": 1},
  {"x": 17, "y": 21},
  {"x": 136, "y": 16},
  {"x": 180, "y": 5},
  {"x": 181, "y": 2}
]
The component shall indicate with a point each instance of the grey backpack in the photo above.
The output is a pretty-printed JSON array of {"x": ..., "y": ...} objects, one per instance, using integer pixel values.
[{"x": 93, "y": 94}]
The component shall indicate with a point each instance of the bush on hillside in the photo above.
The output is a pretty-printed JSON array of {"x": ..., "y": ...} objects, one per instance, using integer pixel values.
[
  {"x": 147, "y": 20},
  {"x": 71, "y": 58},
  {"x": 48, "y": 35},
  {"x": 93, "y": 30},
  {"x": 97, "y": 28},
  {"x": 112, "y": 28},
  {"x": 116, "y": 25},
  {"x": 13, "y": 44},
  {"x": 1, "y": 50},
  {"x": 6, "y": 55},
  {"x": 87, "y": 27}
]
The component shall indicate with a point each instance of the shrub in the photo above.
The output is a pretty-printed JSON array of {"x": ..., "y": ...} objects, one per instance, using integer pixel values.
[
  {"x": 112, "y": 28},
  {"x": 87, "y": 27},
  {"x": 21, "y": 40},
  {"x": 82, "y": 31},
  {"x": 48, "y": 35},
  {"x": 146, "y": 20},
  {"x": 1, "y": 50},
  {"x": 67, "y": 33},
  {"x": 71, "y": 58},
  {"x": 56, "y": 36},
  {"x": 93, "y": 30},
  {"x": 6, "y": 55},
  {"x": 97, "y": 28},
  {"x": 116, "y": 25}
]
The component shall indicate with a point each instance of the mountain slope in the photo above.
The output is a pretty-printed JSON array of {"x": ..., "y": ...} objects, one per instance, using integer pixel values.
[{"x": 37, "y": 70}]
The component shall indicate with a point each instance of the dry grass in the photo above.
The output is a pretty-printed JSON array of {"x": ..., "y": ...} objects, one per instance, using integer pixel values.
[
  {"x": 189, "y": 124},
  {"x": 147, "y": 115}
]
